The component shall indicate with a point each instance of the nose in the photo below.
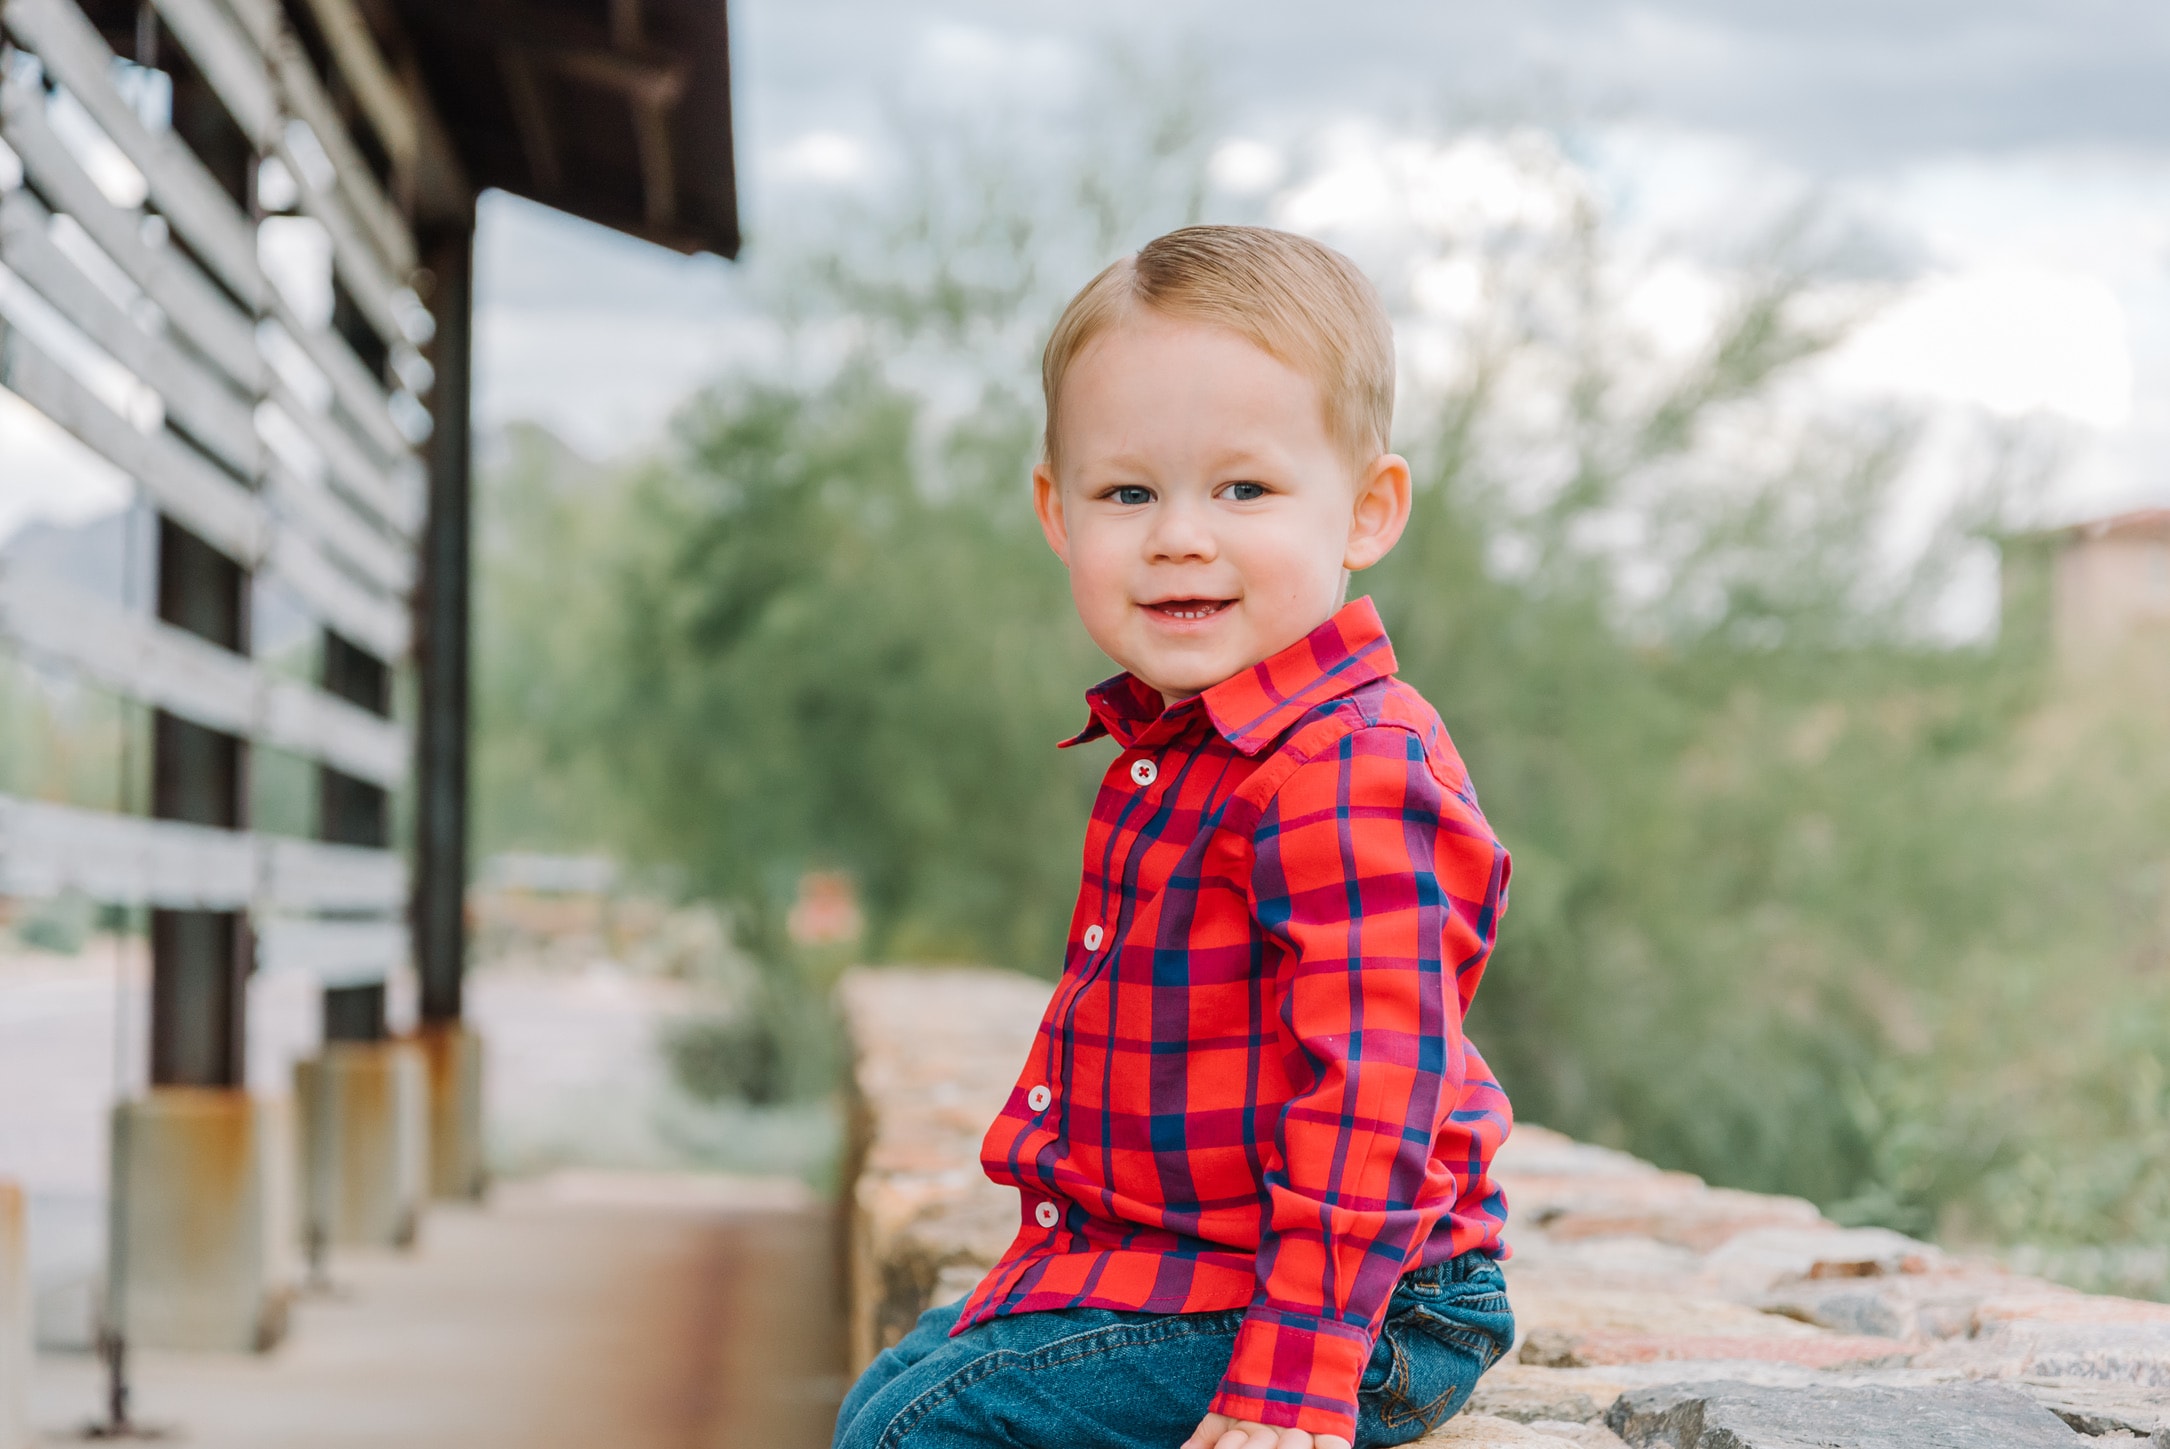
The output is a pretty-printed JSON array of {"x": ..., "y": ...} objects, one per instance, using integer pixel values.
[{"x": 1182, "y": 532}]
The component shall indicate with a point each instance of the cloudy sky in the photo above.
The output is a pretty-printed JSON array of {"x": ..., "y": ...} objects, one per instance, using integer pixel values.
[{"x": 2014, "y": 154}]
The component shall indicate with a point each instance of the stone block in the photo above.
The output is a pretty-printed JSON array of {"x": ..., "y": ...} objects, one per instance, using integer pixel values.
[
  {"x": 15, "y": 1304},
  {"x": 1481, "y": 1431},
  {"x": 1579, "y": 1330},
  {"x": 452, "y": 1061},
  {"x": 2098, "y": 1410},
  {"x": 1755, "y": 1262},
  {"x": 364, "y": 1114},
  {"x": 1749, "y": 1416},
  {"x": 1664, "y": 1207},
  {"x": 189, "y": 1260},
  {"x": 934, "y": 1055}
]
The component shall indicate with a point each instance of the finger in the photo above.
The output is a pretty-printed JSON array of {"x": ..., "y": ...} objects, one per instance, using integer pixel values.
[
  {"x": 1208, "y": 1432},
  {"x": 1331, "y": 1441}
]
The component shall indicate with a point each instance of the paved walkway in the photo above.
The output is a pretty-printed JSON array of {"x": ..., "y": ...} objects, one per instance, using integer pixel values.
[{"x": 598, "y": 1310}]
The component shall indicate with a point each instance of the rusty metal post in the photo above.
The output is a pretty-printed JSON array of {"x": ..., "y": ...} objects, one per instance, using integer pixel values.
[{"x": 452, "y": 1052}]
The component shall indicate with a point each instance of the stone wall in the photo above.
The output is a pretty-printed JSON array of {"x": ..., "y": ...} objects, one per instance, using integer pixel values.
[{"x": 1653, "y": 1309}]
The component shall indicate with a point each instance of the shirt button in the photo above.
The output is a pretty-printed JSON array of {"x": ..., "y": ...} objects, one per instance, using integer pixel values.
[
  {"x": 1038, "y": 1098},
  {"x": 1092, "y": 938},
  {"x": 1145, "y": 772},
  {"x": 1046, "y": 1215}
]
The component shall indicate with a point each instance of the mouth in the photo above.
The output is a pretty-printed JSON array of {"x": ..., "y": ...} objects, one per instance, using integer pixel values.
[{"x": 1187, "y": 611}]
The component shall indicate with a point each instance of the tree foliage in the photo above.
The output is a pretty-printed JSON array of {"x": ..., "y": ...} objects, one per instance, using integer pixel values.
[{"x": 1806, "y": 897}]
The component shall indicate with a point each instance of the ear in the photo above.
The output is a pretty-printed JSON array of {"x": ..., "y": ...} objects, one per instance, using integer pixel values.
[
  {"x": 1383, "y": 500},
  {"x": 1047, "y": 503}
]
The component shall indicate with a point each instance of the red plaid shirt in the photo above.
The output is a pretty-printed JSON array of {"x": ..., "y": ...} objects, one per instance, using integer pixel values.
[{"x": 1251, "y": 1088}]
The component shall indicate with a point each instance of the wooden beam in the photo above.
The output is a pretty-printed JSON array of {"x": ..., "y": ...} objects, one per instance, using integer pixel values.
[
  {"x": 194, "y": 307},
  {"x": 335, "y": 953},
  {"x": 129, "y": 860},
  {"x": 355, "y": 611},
  {"x": 171, "y": 669},
  {"x": 123, "y": 859},
  {"x": 531, "y": 116},
  {"x": 216, "y": 416},
  {"x": 383, "y": 99},
  {"x": 193, "y": 490},
  {"x": 183, "y": 189}
]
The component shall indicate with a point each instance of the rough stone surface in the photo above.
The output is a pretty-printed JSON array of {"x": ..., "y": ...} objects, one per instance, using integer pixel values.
[
  {"x": 1632, "y": 1286},
  {"x": 1749, "y": 1416},
  {"x": 2100, "y": 1410}
]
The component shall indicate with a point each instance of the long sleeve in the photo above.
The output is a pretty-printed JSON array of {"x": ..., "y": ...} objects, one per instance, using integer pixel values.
[{"x": 1380, "y": 888}]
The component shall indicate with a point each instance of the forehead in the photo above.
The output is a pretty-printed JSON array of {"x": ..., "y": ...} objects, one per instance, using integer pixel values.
[{"x": 1151, "y": 381}]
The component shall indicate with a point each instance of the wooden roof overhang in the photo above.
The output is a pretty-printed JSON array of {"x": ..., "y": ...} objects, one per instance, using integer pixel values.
[{"x": 618, "y": 111}]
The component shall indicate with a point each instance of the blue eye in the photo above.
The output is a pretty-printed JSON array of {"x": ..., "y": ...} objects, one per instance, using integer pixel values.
[
  {"x": 1132, "y": 496},
  {"x": 1245, "y": 492}
]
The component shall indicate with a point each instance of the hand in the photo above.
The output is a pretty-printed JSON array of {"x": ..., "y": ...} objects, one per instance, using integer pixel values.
[{"x": 1218, "y": 1431}]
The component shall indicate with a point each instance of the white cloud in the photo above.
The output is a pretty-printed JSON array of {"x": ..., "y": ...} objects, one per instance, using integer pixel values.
[
  {"x": 1246, "y": 168},
  {"x": 829, "y": 157},
  {"x": 2015, "y": 340}
]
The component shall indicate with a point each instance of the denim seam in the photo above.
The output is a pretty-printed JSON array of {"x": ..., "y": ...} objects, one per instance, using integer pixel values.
[{"x": 1074, "y": 1346}]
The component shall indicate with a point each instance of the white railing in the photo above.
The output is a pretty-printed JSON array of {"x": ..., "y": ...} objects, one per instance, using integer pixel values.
[{"x": 271, "y": 440}]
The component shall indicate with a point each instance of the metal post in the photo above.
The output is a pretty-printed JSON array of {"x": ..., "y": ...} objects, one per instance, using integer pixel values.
[
  {"x": 354, "y": 812},
  {"x": 441, "y": 626},
  {"x": 452, "y": 1052},
  {"x": 199, "y": 959}
]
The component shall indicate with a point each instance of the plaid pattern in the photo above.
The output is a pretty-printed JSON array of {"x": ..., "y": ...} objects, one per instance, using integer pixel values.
[{"x": 1251, "y": 1088}]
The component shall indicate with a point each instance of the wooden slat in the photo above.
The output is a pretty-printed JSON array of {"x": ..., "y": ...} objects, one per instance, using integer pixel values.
[
  {"x": 362, "y": 395},
  {"x": 172, "y": 669},
  {"x": 130, "y": 653},
  {"x": 217, "y": 417},
  {"x": 233, "y": 66},
  {"x": 307, "y": 100},
  {"x": 324, "y": 727},
  {"x": 123, "y": 859},
  {"x": 129, "y": 860},
  {"x": 370, "y": 620},
  {"x": 352, "y": 469},
  {"x": 181, "y": 186},
  {"x": 308, "y": 875},
  {"x": 336, "y": 528},
  {"x": 335, "y": 953},
  {"x": 354, "y": 50},
  {"x": 186, "y": 485},
  {"x": 368, "y": 281},
  {"x": 194, "y": 307}
]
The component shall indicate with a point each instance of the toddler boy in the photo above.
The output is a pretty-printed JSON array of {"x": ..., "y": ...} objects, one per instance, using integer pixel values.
[{"x": 1251, "y": 1145}]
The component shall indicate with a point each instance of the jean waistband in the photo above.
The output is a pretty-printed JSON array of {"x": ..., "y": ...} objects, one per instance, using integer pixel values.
[{"x": 1458, "y": 1269}]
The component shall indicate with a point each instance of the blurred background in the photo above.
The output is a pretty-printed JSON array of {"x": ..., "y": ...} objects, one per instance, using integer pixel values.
[
  {"x": 1755, "y": 363},
  {"x": 1786, "y": 390}
]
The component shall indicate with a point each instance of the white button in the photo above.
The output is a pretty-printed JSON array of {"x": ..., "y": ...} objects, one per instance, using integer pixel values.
[
  {"x": 1145, "y": 772},
  {"x": 1046, "y": 1215},
  {"x": 1038, "y": 1098},
  {"x": 1092, "y": 938}
]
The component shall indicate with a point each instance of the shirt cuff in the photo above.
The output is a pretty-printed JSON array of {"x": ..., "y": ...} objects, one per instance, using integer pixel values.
[{"x": 1295, "y": 1371}]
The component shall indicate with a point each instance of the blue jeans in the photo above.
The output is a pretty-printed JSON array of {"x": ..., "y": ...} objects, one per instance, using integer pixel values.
[{"x": 1092, "y": 1378}]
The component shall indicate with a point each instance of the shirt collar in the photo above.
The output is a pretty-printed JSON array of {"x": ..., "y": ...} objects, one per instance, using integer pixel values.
[{"x": 1253, "y": 708}]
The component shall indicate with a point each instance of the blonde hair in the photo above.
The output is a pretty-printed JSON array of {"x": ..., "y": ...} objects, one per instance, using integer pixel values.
[{"x": 1304, "y": 303}]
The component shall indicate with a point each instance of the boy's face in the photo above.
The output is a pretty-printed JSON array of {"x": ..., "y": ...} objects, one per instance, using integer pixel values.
[{"x": 1207, "y": 517}]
